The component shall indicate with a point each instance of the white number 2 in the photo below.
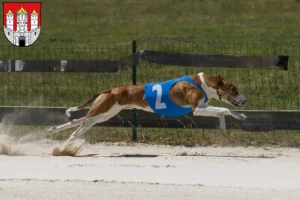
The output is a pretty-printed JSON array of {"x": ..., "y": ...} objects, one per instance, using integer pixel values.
[{"x": 158, "y": 103}]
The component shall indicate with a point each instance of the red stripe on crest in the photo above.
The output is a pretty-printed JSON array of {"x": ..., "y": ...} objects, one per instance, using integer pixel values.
[{"x": 14, "y": 7}]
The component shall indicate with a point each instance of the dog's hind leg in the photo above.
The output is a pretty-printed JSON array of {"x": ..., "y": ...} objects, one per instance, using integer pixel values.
[
  {"x": 70, "y": 124},
  {"x": 102, "y": 101},
  {"x": 103, "y": 108},
  {"x": 88, "y": 123}
]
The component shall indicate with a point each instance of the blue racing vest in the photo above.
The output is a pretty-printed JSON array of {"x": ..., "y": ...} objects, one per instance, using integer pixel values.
[{"x": 157, "y": 96}]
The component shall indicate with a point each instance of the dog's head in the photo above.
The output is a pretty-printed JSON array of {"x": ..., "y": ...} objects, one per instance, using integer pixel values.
[{"x": 227, "y": 91}]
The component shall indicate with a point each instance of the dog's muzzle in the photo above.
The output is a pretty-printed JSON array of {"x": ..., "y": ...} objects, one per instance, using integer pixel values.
[{"x": 238, "y": 101}]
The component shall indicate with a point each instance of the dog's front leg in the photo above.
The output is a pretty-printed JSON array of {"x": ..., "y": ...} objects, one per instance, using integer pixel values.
[
  {"x": 211, "y": 111},
  {"x": 222, "y": 123},
  {"x": 215, "y": 111}
]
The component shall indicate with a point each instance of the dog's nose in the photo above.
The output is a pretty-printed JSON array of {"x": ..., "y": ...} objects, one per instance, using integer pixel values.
[{"x": 245, "y": 101}]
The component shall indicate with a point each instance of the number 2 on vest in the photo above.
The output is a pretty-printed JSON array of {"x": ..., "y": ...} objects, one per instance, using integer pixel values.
[{"x": 158, "y": 103}]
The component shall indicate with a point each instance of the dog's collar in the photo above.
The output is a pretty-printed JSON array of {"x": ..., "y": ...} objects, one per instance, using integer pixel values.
[{"x": 203, "y": 87}]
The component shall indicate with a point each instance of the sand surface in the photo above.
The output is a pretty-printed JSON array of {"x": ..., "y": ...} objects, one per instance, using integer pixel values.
[{"x": 116, "y": 171}]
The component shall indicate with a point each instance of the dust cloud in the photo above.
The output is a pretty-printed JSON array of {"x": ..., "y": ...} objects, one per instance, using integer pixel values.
[
  {"x": 70, "y": 149},
  {"x": 17, "y": 141},
  {"x": 15, "y": 147}
]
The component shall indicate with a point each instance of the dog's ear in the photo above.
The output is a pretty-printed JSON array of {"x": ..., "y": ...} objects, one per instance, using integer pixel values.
[
  {"x": 215, "y": 81},
  {"x": 219, "y": 80}
]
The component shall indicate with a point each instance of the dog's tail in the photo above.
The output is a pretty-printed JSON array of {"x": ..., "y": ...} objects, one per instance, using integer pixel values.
[{"x": 87, "y": 102}]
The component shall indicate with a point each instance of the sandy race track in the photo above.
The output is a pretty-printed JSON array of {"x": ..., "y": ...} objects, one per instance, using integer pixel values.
[{"x": 111, "y": 171}]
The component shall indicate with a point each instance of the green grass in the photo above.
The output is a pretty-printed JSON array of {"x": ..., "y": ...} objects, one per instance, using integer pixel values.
[
  {"x": 118, "y": 22},
  {"x": 104, "y": 29}
]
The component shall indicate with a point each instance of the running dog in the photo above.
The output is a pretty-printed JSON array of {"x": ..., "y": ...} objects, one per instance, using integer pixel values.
[{"x": 172, "y": 98}]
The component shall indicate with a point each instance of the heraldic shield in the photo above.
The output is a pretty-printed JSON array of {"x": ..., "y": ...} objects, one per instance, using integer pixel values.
[{"x": 22, "y": 22}]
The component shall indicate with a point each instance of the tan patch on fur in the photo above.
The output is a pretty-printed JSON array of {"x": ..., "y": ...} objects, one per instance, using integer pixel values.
[
  {"x": 101, "y": 105},
  {"x": 127, "y": 95},
  {"x": 184, "y": 93},
  {"x": 210, "y": 81},
  {"x": 196, "y": 78},
  {"x": 92, "y": 98}
]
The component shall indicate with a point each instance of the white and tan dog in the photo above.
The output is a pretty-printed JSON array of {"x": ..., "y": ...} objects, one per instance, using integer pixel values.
[{"x": 191, "y": 94}]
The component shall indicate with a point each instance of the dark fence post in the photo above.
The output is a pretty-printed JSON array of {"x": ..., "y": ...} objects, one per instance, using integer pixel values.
[{"x": 134, "y": 121}]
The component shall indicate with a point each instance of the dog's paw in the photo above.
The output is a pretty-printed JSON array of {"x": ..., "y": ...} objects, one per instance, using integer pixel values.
[
  {"x": 238, "y": 115},
  {"x": 243, "y": 117},
  {"x": 222, "y": 131},
  {"x": 68, "y": 113},
  {"x": 51, "y": 129}
]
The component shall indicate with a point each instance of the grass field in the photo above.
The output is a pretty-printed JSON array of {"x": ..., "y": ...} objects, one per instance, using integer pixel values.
[
  {"x": 117, "y": 22},
  {"x": 104, "y": 29}
]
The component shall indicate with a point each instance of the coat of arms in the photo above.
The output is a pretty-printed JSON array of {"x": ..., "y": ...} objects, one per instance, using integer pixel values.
[{"x": 22, "y": 22}]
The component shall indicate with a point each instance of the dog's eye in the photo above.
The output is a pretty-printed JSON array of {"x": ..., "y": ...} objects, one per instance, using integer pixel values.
[{"x": 234, "y": 89}]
